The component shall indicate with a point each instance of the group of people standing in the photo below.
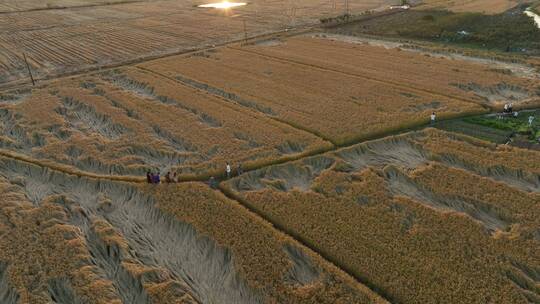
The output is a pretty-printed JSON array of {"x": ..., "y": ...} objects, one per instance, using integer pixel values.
[
  {"x": 508, "y": 108},
  {"x": 152, "y": 178},
  {"x": 228, "y": 170}
]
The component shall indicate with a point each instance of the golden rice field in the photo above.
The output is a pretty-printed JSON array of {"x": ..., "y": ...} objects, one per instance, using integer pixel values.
[
  {"x": 344, "y": 91},
  {"x": 77, "y": 240},
  {"x": 128, "y": 121},
  {"x": 334, "y": 206},
  {"x": 423, "y": 217},
  {"x": 60, "y": 41},
  {"x": 254, "y": 105}
]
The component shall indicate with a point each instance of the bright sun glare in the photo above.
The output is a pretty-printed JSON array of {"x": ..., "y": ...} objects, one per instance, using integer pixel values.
[{"x": 223, "y": 5}]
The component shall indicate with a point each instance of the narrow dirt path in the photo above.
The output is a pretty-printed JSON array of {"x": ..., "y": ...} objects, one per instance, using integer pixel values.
[
  {"x": 203, "y": 178},
  {"x": 69, "y": 170}
]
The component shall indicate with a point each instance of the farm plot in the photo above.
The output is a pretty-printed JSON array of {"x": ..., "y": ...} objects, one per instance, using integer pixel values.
[
  {"x": 68, "y": 239},
  {"x": 470, "y": 6},
  {"x": 60, "y": 41},
  {"x": 460, "y": 79},
  {"x": 9, "y": 6},
  {"x": 414, "y": 206},
  {"x": 336, "y": 105},
  {"x": 126, "y": 122},
  {"x": 517, "y": 167}
]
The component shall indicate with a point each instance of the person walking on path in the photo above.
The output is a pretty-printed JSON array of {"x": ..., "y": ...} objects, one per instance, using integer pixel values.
[
  {"x": 175, "y": 178},
  {"x": 212, "y": 182},
  {"x": 531, "y": 119},
  {"x": 228, "y": 170},
  {"x": 157, "y": 178},
  {"x": 149, "y": 177},
  {"x": 240, "y": 170},
  {"x": 168, "y": 178},
  {"x": 432, "y": 118}
]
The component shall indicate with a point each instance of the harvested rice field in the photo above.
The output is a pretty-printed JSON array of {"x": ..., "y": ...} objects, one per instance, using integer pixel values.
[
  {"x": 10, "y": 6},
  {"x": 423, "y": 217},
  {"x": 59, "y": 41}
]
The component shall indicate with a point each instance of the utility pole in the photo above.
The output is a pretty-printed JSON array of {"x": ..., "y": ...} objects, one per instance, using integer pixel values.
[
  {"x": 29, "y": 71},
  {"x": 245, "y": 32}
]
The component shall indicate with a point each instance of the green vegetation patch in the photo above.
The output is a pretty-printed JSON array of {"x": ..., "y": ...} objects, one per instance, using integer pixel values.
[
  {"x": 497, "y": 128},
  {"x": 474, "y": 130},
  {"x": 511, "y": 31}
]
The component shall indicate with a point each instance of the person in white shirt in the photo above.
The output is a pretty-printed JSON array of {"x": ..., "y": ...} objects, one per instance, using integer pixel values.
[
  {"x": 228, "y": 170},
  {"x": 531, "y": 119},
  {"x": 432, "y": 118}
]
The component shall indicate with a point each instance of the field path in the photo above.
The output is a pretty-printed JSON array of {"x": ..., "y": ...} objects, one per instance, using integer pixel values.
[{"x": 201, "y": 178}]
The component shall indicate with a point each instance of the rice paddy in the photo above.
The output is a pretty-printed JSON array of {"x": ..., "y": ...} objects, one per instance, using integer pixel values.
[{"x": 298, "y": 164}]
